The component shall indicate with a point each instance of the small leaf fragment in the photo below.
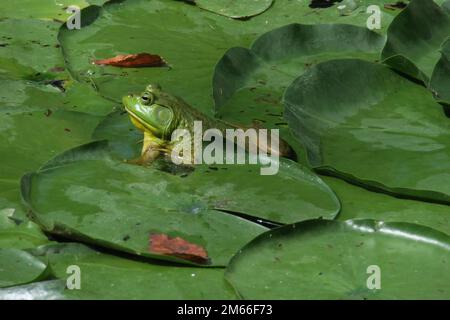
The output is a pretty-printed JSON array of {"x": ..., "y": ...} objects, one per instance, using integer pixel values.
[
  {"x": 395, "y": 5},
  {"x": 177, "y": 247},
  {"x": 133, "y": 61}
]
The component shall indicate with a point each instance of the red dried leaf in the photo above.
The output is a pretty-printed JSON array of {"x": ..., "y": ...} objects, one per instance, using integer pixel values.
[
  {"x": 133, "y": 61},
  {"x": 177, "y": 247}
]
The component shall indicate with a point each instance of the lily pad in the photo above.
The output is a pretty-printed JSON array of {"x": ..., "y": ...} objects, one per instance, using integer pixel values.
[
  {"x": 279, "y": 56},
  {"x": 414, "y": 39},
  {"x": 19, "y": 267},
  {"x": 361, "y": 259},
  {"x": 127, "y": 206},
  {"x": 372, "y": 127},
  {"x": 233, "y": 8},
  {"x": 130, "y": 203},
  {"x": 440, "y": 82}
]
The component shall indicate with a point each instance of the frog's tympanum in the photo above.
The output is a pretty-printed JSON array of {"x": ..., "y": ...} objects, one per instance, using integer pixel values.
[{"x": 158, "y": 114}]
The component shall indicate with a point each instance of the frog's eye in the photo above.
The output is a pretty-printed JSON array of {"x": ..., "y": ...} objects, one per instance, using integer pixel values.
[{"x": 147, "y": 98}]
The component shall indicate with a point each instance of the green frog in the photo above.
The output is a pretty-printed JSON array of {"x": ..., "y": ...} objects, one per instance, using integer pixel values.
[{"x": 158, "y": 114}]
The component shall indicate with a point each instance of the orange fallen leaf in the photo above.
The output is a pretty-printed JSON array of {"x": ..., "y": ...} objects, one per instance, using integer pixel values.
[
  {"x": 177, "y": 247},
  {"x": 133, "y": 61}
]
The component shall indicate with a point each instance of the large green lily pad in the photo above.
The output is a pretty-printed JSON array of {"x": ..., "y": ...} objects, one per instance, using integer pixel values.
[
  {"x": 414, "y": 39},
  {"x": 129, "y": 203},
  {"x": 339, "y": 260},
  {"x": 372, "y": 127},
  {"x": 19, "y": 267},
  {"x": 127, "y": 206}
]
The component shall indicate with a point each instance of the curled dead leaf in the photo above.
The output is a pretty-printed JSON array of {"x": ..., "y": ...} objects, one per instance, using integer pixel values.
[
  {"x": 177, "y": 247},
  {"x": 139, "y": 60}
]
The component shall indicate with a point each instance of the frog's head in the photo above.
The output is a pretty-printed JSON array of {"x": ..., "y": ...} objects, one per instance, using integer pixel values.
[{"x": 152, "y": 111}]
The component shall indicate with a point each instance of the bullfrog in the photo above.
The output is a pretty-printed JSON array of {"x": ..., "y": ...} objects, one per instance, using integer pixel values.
[{"x": 158, "y": 114}]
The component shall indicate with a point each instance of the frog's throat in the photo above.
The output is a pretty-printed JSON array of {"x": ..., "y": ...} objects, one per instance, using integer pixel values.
[{"x": 141, "y": 124}]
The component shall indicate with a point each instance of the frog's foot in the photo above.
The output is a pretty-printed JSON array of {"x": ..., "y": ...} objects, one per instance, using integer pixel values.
[{"x": 136, "y": 161}]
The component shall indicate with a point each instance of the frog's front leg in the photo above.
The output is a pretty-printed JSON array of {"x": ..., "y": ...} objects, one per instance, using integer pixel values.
[{"x": 151, "y": 150}]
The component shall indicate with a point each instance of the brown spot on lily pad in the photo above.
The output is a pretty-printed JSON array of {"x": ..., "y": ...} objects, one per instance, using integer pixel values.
[
  {"x": 139, "y": 60},
  {"x": 177, "y": 247}
]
